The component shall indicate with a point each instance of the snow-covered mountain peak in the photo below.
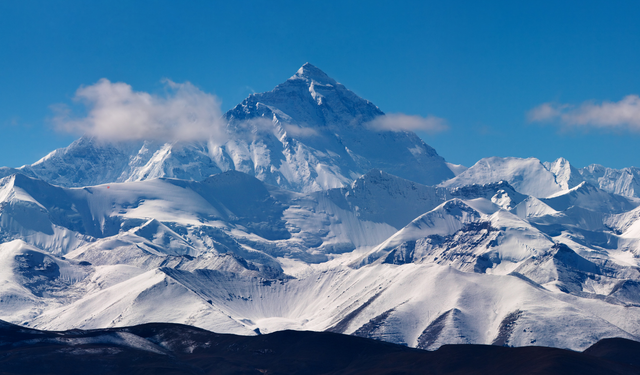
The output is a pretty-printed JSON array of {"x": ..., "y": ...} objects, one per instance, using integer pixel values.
[
  {"x": 592, "y": 198},
  {"x": 528, "y": 176},
  {"x": 326, "y": 123},
  {"x": 316, "y": 80},
  {"x": 309, "y": 133},
  {"x": 566, "y": 175},
  {"x": 624, "y": 181},
  {"x": 311, "y": 73},
  {"x": 557, "y": 165},
  {"x": 310, "y": 98}
]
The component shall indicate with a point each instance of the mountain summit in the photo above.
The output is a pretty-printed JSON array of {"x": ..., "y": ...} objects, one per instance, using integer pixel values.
[
  {"x": 309, "y": 98},
  {"x": 311, "y": 72},
  {"x": 309, "y": 133}
]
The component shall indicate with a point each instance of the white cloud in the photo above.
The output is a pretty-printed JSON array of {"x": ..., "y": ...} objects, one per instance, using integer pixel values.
[
  {"x": 117, "y": 113},
  {"x": 624, "y": 114},
  {"x": 401, "y": 122},
  {"x": 299, "y": 131},
  {"x": 543, "y": 112}
]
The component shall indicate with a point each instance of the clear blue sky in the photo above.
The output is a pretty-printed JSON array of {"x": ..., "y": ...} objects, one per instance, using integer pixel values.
[{"x": 480, "y": 65}]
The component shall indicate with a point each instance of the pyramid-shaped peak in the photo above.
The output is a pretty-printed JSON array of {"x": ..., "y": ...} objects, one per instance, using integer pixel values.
[{"x": 312, "y": 73}]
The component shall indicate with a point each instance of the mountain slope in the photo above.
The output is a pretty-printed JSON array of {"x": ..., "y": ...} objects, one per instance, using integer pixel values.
[
  {"x": 566, "y": 175},
  {"x": 309, "y": 133},
  {"x": 527, "y": 176},
  {"x": 624, "y": 181},
  {"x": 244, "y": 257},
  {"x": 171, "y": 349}
]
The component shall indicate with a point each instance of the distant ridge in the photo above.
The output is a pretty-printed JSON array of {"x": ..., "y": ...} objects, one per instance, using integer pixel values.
[{"x": 161, "y": 348}]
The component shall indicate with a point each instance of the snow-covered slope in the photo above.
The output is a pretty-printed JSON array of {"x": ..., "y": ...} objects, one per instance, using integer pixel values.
[
  {"x": 380, "y": 197},
  {"x": 587, "y": 196},
  {"x": 618, "y": 181},
  {"x": 420, "y": 305},
  {"x": 476, "y": 236},
  {"x": 309, "y": 133},
  {"x": 567, "y": 176},
  {"x": 228, "y": 213},
  {"x": 500, "y": 193},
  {"x": 527, "y": 176},
  {"x": 229, "y": 253}
]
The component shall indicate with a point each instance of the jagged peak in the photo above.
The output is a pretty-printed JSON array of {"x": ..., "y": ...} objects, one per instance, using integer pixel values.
[
  {"x": 310, "y": 72},
  {"x": 557, "y": 165},
  {"x": 561, "y": 160}
]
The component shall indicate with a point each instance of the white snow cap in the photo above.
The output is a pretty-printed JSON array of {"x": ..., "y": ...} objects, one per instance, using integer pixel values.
[{"x": 311, "y": 72}]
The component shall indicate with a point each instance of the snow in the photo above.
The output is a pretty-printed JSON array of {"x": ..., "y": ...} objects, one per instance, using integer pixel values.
[
  {"x": 417, "y": 294},
  {"x": 624, "y": 181},
  {"x": 527, "y": 176},
  {"x": 532, "y": 207},
  {"x": 592, "y": 198},
  {"x": 566, "y": 175},
  {"x": 480, "y": 275},
  {"x": 306, "y": 219},
  {"x": 456, "y": 168}
]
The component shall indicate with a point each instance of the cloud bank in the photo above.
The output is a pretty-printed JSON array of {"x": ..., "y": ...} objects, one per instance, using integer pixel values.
[
  {"x": 624, "y": 114},
  {"x": 117, "y": 113},
  {"x": 401, "y": 122}
]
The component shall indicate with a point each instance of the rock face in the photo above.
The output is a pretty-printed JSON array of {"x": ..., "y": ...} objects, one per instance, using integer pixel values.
[{"x": 309, "y": 133}]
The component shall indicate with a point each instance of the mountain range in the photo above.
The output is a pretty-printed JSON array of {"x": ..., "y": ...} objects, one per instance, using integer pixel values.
[
  {"x": 165, "y": 348},
  {"x": 306, "y": 217}
]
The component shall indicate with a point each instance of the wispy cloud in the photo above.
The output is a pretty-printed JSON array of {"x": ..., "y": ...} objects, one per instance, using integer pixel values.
[
  {"x": 299, "y": 131},
  {"x": 624, "y": 114},
  {"x": 401, "y": 122},
  {"x": 117, "y": 113}
]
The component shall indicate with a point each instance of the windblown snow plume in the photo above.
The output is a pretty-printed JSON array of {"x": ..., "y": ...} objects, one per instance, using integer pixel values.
[{"x": 115, "y": 112}]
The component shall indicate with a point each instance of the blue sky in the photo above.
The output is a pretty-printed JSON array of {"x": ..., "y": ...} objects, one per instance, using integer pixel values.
[{"x": 481, "y": 66}]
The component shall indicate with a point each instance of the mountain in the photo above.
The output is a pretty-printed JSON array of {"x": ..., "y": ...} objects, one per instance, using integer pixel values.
[
  {"x": 309, "y": 133},
  {"x": 331, "y": 119},
  {"x": 162, "y": 348},
  {"x": 232, "y": 254},
  {"x": 527, "y": 176},
  {"x": 532, "y": 177},
  {"x": 587, "y": 196},
  {"x": 305, "y": 218},
  {"x": 624, "y": 181},
  {"x": 567, "y": 176}
]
